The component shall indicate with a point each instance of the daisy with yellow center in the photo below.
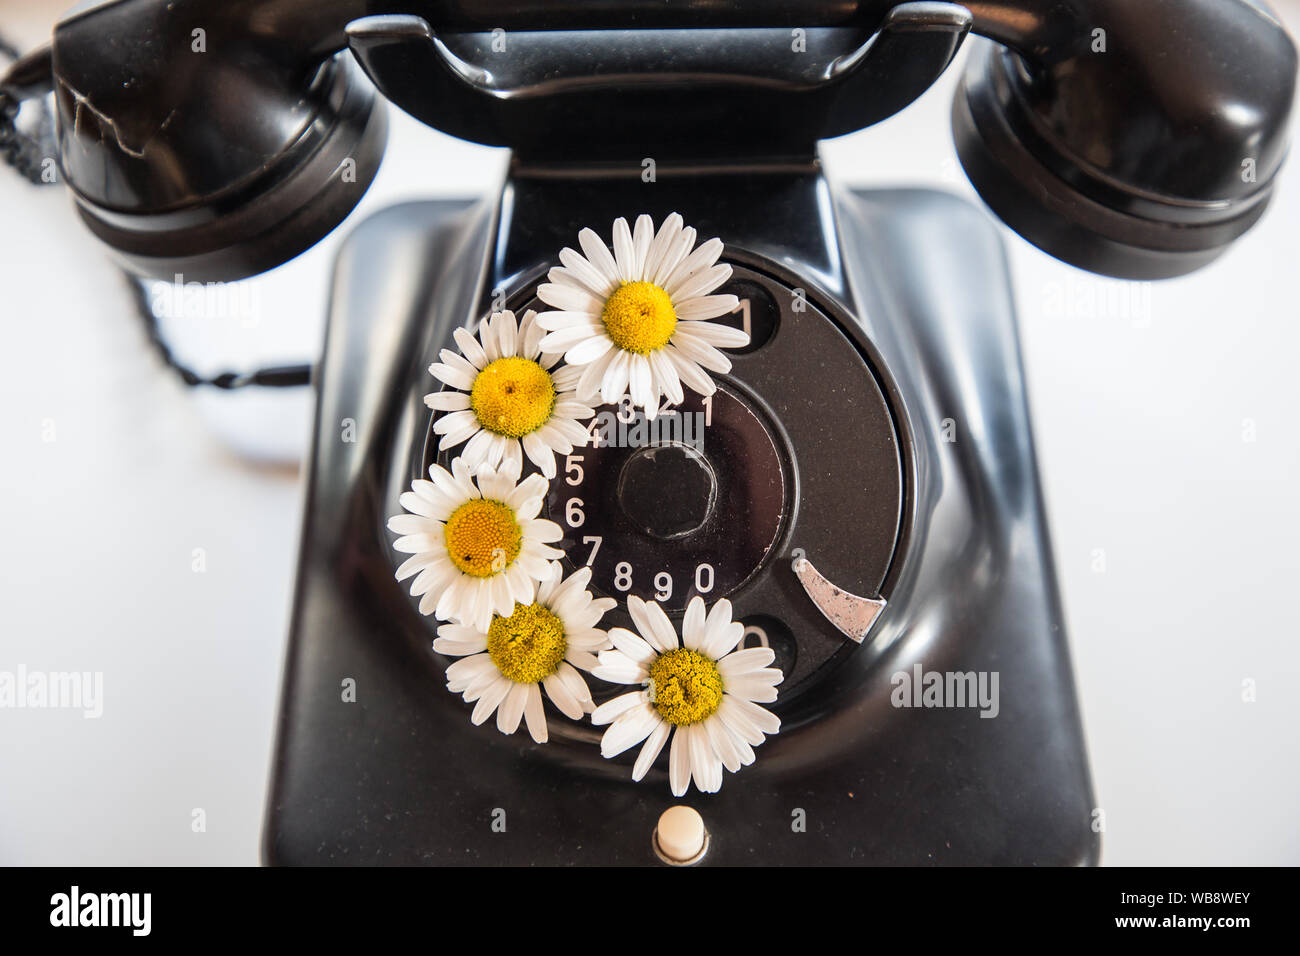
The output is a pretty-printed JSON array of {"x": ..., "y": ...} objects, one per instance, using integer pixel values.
[
  {"x": 636, "y": 319},
  {"x": 701, "y": 692},
  {"x": 539, "y": 646},
  {"x": 506, "y": 398},
  {"x": 477, "y": 546}
]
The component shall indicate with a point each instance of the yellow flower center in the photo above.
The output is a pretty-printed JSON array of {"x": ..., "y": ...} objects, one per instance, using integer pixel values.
[
  {"x": 483, "y": 537},
  {"x": 639, "y": 317},
  {"x": 513, "y": 397},
  {"x": 685, "y": 686},
  {"x": 528, "y": 645}
]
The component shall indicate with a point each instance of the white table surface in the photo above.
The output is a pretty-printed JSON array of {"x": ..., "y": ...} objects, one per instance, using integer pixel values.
[{"x": 1139, "y": 417}]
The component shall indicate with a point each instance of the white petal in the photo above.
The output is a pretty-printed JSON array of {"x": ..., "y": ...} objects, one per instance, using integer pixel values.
[
  {"x": 493, "y": 696},
  {"x": 633, "y": 647},
  {"x": 571, "y": 299},
  {"x": 511, "y": 453},
  {"x": 663, "y": 628},
  {"x": 561, "y": 321},
  {"x": 569, "y": 430},
  {"x": 478, "y": 450},
  {"x": 706, "y": 768},
  {"x": 507, "y": 333},
  {"x": 699, "y": 351},
  {"x": 575, "y": 685},
  {"x": 663, "y": 241},
  {"x": 748, "y": 720},
  {"x": 447, "y": 401},
  {"x": 458, "y": 435},
  {"x": 744, "y": 661},
  {"x": 679, "y": 764},
  {"x": 530, "y": 335},
  {"x": 702, "y": 282},
  {"x": 648, "y": 626},
  {"x": 666, "y": 378},
  {"x": 414, "y": 564},
  {"x": 457, "y": 361},
  {"x": 640, "y": 379},
  {"x": 569, "y": 705},
  {"x": 689, "y": 372},
  {"x": 693, "y": 624},
  {"x": 462, "y": 478},
  {"x": 650, "y": 749},
  {"x": 540, "y": 454},
  {"x": 593, "y": 374},
  {"x": 562, "y": 340},
  {"x": 721, "y": 632},
  {"x": 642, "y": 236},
  {"x": 452, "y": 376},
  {"x": 713, "y": 333},
  {"x": 677, "y": 250},
  {"x": 629, "y": 729},
  {"x": 723, "y": 743},
  {"x": 434, "y": 578},
  {"x": 588, "y": 350},
  {"x": 703, "y": 307},
  {"x": 611, "y": 709},
  {"x": 702, "y": 258},
  {"x": 586, "y": 273},
  {"x": 624, "y": 252},
  {"x": 752, "y": 689},
  {"x": 614, "y": 384},
  {"x": 466, "y": 670},
  {"x": 470, "y": 348},
  {"x": 412, "y": 524},
  {"x": 453, "y": 648},
  {"x": 487, "y": 334},
  {"x": 618, "y": 669},
  {"x": 541, "y": 530},
  {"x": 535, "y": 715},
  {"x": 512, "y": 708},
  {"x": 598, "y": 254},
  {"x": 416, "y": 543}
]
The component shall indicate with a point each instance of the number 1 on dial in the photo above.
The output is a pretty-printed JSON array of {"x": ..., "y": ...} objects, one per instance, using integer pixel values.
[{"x": 743, "y": 307}]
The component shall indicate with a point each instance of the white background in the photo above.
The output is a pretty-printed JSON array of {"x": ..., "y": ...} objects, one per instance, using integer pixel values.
[{"x": 1141, "y": 418}]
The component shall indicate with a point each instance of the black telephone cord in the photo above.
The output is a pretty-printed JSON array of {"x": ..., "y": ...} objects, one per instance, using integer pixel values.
[
  {"x": 24, "y": 153},
  {"x": 282, "y": 376}
]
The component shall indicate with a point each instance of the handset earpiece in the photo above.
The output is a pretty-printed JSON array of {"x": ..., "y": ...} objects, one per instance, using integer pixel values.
[
  {"x": 215, "y": 141},
  {"x": 1132, "y": 139}
]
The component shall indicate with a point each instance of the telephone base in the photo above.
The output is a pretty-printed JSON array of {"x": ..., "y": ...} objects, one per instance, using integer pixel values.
[{"x": 377, "y": 763}]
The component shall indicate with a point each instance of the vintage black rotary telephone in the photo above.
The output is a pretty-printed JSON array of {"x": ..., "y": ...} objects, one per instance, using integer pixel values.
[{"x": 870, "y": 450}]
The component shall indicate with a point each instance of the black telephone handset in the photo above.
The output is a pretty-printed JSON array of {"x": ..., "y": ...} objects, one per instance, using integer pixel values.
[
  {"x": 1134, "y": 139},
  {"x": 862, "y": 486}
]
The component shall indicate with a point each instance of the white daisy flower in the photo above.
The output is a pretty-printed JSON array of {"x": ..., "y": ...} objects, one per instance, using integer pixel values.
[
  {"x": 704, "y": 688},
  {"x": 476, "y": 549},
  {"x": 539, "y": 645},
  {"x": 637, "y": 318},
  {"x": 509, "y": 399}
]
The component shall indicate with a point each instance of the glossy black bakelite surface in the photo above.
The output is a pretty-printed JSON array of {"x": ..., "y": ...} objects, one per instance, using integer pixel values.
[{"x": 402, "y": 776}]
